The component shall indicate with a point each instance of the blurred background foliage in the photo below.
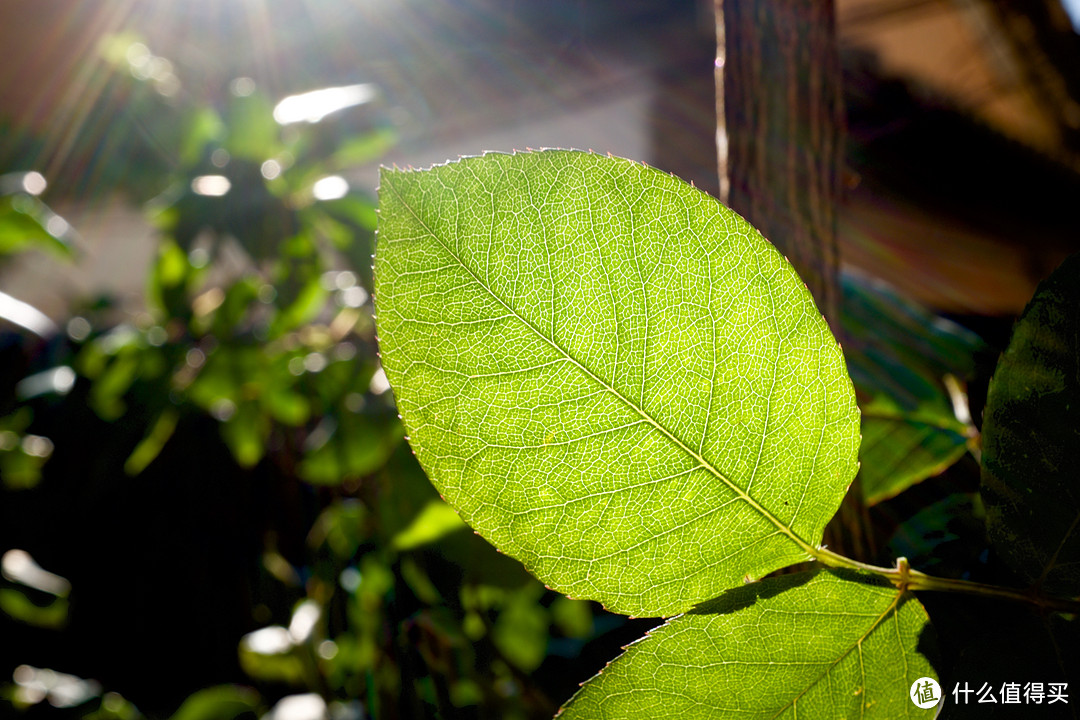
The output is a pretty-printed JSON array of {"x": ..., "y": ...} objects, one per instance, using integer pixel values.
[{"x": 215, "y": 492}]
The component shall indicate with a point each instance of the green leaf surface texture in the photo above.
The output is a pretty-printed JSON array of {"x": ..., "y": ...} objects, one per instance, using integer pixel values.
[
  {"x": 1031, "y": 439},
  {"x": 611, "y": 376},
  {"x": 809, "y": 645}
]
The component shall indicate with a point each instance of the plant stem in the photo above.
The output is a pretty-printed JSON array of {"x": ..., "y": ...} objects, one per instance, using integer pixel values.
[{"x": 905, "y": 578}]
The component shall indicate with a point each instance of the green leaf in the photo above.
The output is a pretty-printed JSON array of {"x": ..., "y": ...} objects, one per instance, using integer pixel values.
[
  {"x": 221, "y": 702},
  {"x": 434, "y": 522},
  {"x": 902, "y": 447},
  {"x": 364, "y": 148},
  {"x": 151, "y": 446},
  {"x": 808, "y": 645},
  {"x": 946, "y": 538},
  {"x": 240, "y": 298},
  {"x": 201, "y": 127},
  {"x": 286, "y": 405},
  {"x": 521, "y": 630},
  {"x": 1031, "y": 457},
  {"x": 358, "y": 447},
  {"x": 245, "y": 433},
  {"x": 343, "y": 526},
  {"x": 268, "y": 655},
  {"x": 19, "y": 469},
  {"x": 899, "y": 355},
  {"x": 611, "y": 376},
  {"x": 573, "y": 617},
  {"x": 15, "y": 604},
  {"x": 108, "y": 390},
  {"x": 24, "y": 223},
  {"x": 898, "y": 347},
  {"x": 357, "y": 210},
  {"x": 252, "y": 133},
  {"x": 169, "y": 279},
  {"x": 308, "y": 301}
]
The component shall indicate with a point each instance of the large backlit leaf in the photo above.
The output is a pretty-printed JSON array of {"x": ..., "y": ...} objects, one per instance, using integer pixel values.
[
  {"x": 809, "y": 645},
  {"x": 611, "y": 376},
  {"x": 1031, "y": 453}
]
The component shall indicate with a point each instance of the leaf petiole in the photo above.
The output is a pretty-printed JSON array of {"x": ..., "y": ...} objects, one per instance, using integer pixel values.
[{"x": 905, "y": 578}]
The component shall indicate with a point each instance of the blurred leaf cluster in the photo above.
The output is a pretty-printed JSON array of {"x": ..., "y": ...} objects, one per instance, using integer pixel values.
[{"x": 226, "y": 469}]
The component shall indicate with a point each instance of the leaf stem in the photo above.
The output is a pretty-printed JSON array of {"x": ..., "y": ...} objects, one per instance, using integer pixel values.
[{"x": 905, "y": 578}]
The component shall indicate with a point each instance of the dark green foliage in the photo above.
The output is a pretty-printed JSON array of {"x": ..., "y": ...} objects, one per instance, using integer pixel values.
[{"x": 1032, "y": 440}]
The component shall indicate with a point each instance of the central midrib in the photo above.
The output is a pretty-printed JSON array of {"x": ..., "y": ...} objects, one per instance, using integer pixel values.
[{"x": 702, "y": 462}]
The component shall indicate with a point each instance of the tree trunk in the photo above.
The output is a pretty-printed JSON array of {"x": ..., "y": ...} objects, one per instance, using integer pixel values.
[
  {"x": 780, "y": 130},
  {"x": 780, "y": 115}
]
